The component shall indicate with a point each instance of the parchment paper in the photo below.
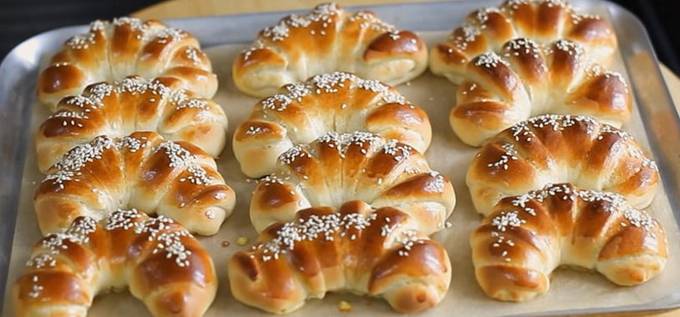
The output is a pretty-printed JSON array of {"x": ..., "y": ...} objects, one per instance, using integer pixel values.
[{"x": 569, "y": 289}]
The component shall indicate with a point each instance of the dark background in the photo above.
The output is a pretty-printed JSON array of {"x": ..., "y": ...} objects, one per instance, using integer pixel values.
[{"x": 20, "y": 19}]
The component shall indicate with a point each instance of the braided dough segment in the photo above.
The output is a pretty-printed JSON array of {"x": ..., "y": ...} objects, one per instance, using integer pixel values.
[
  {"x": 358, "y": 166},
  {"x": 142, "y": 171},
  {"x": 110, "y": 51},
  {"x": 163, "y": 265},
  {"x": 552, "y": 149},
  {"x": 133, "y": 104},
  {"x": 378, "y": 253},
  {"x": 324, "y": 40},
  {"x": 335, "y": 102},
  {"x": 526, "y": 237}
]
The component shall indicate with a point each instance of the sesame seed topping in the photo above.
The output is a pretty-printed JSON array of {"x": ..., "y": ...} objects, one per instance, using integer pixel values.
[
  {"x": 489, "y": 60},
  {"x": 144, "y": 32},
  {"x": 69, "y": 167},
  {"x": 524, "y": 132},
  {"x": 522, "y": 46},
  {"x": 36, "y": 289},
  {"x": 322, "y": 13},
  {"x": 368, "y": 20},
  {"x": 437, "y": 185},
  {"x": 570, "y": 47},
  {"x": 292, "y": 154},
  {"x": 507, "y": 219},
  {"x": 329, "y": 83},
  {"x": 510, "y": 153},
  {"x": 182, "y": 158},
  {"x": 329, "y": 227},
  {"x": 133, "y": 144},
  {"x": 463, "y": 36},
  {"x": 192, "y": 54},
  {"x": 398, "y": 151},
  {"x": 482, "y": 15},
  {"x": 611, "y": 202},
  {"x": 78, "y": 233},
  {"x": 253, "y": 130}
]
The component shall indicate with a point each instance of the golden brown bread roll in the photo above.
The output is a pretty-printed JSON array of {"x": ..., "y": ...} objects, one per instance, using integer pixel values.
[
  {"x": 324, "y": 40},
  {"x": 377, "y": 253},
  {"x": 528, "y": 58},
  {"x": 133, "y": 104},
  {"x": 551, "y": 149},
  {"x": 160, "y": 262},
  {"x": 111, "y": 51},
  {"x": 356, "y": 166},
  {"x": 143, "y": 171},
  {"x": 334, "y": 102},
  {"x": 526, "y": 237}
]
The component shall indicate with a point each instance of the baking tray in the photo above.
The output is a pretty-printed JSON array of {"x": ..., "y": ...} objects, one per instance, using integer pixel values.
[{"x": 18, "y": 73}]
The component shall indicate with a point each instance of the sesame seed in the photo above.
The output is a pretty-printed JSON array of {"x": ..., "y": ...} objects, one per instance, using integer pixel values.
[
  {"x": 489, "y": 60},
  {"x": 192, "y": 54},
  {"x": 507, "y": 220}
]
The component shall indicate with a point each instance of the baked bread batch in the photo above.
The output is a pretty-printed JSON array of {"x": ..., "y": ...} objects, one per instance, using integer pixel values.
[{"x": 344, "y": 198}]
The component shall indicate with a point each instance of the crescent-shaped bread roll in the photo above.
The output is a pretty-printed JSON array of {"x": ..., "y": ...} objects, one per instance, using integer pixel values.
[
  {"x": 156, "y": 258},
  {"x": 526, "y": 237},
  {"x": 325, "y": 40},
  {"x": 111, "y": 51},
  {"x": 355, "y": 166},
  {"x": 133, "y": 104},
  {"x": 553, "y": 149},
  {"x": 143, "y": 171},
  {"x": 374, "y": 252}
]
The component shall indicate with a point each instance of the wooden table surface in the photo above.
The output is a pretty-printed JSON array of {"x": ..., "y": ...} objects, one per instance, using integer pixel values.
[{"x": 192, "y": 8}]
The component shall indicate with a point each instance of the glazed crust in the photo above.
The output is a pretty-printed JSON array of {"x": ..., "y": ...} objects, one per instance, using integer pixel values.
[
  {"x": 324, "y": 40},
  {"x": 133, "y": 104},
  {"x": 528, "y": 58},
  {"x": 377, "y": 253},
  {"x": 525, "y": 238},
  {"x": 561, "y": 148},
  {"x": 142, "y": 171},
  {"x": 357, "y": 166},
  {"x": 110, "y": 51},
  {"x": 160, "y": 262},
  {"x": 334, "y": 102}
]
